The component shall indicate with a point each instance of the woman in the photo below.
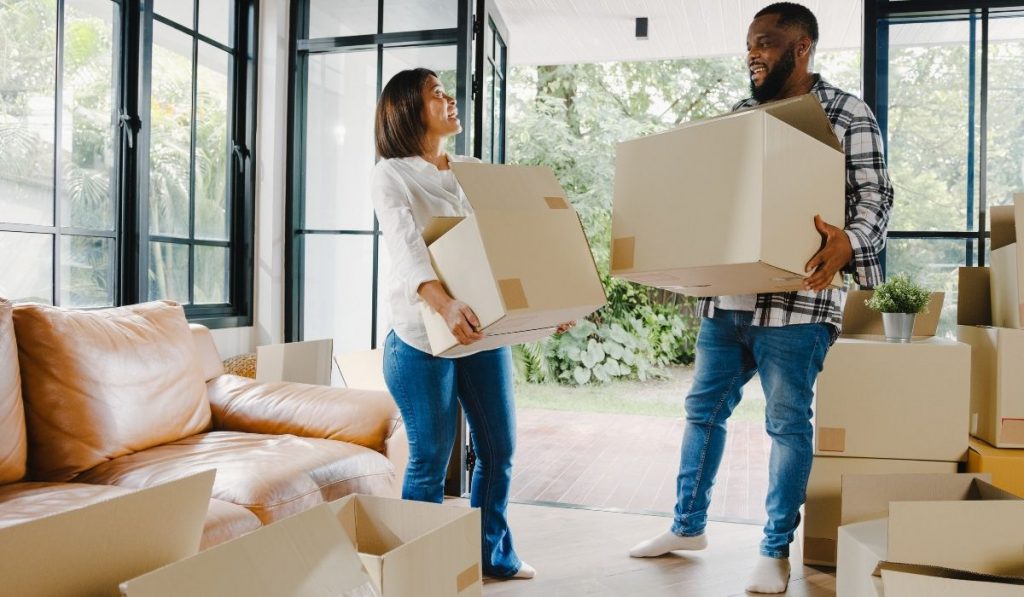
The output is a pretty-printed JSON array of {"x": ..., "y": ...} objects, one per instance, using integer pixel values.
[{"x": 412, "y": 183}]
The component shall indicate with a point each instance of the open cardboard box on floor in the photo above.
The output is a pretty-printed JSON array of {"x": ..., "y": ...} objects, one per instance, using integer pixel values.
[
  {"x": 823, "y": 508},
  {"x": 872, "y": 393},
  {"x": 726, "y": 205},
  {"x": 521, "y": 261},
  {"x": 901, "y": 580},
  {"x": 997, "y": 377},
  {"x": 358, "y": 546},
  {"x": 957, "y": 521},
  {"x": 90, "y": 550}
]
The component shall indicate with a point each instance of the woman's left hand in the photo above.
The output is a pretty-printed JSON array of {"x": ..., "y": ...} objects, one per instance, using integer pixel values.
[{"x": 565, "y": 327}]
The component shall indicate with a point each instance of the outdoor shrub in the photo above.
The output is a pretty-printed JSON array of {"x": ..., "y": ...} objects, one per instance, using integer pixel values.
[{"x": 899, "y": 294}]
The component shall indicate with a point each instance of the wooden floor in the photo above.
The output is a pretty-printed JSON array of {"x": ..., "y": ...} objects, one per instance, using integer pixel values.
[
  {"x": 630, "y": 462},
  {"x": 585, "y": 552}
]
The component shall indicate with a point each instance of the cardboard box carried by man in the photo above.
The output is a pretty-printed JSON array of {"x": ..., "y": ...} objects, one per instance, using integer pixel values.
[{"x": 726, "y": 205}]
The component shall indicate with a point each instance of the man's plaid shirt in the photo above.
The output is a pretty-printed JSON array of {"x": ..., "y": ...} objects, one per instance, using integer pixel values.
[{"x": 868, "y": 203}]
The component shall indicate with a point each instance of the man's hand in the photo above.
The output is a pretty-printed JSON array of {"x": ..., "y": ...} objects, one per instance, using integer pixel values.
[
  {"x": 462, "y": 322},
  {"x": 565, "y": 327},
  {"x": 836, "y": 253}
]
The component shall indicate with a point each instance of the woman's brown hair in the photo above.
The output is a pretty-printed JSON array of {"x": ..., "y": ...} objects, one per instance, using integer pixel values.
[{"x": 399, "y": 126}]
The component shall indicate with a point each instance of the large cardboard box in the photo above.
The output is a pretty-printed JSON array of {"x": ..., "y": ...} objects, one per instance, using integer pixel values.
[
  {"x": 950, "y": 521},
  {"x": 997, "y": 378},
  {"x": 726, "y": 205},
  {"x": 305, "y": 555},
  {"x": 871, "y": 393},
  {"x": 823, "y": 508},
  {"x": 89, "y": 551},
  {"x": 302, "y": 362},
  {"x": 1005, "y": 465},
  {"x": 1007, "y": 279},
  {"x": 521, "y": 261},
  {"x": 415, "y": 548}
]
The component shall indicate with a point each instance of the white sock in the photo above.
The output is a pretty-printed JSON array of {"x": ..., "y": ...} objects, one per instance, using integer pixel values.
[
  {"x": 525, "y": 571},
  {"x": 770, "y": 575},
  {"x": 666, "y": 542}
]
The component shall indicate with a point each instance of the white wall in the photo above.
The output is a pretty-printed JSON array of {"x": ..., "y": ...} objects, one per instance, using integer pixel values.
[{"x": 270, "y": 160}]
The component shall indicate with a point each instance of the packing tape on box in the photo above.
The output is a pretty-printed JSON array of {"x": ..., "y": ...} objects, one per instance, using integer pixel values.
[
  {"x": 819, "y": 549},
  {"x": 557, "y": 202},
  {"x": 832, "y": 439},
  {"x": 1013, "y": 431},
  {"x": 467, "y": 578},
  {"x": 622, "y": 252},
  {"x": 513, "y": 294}
]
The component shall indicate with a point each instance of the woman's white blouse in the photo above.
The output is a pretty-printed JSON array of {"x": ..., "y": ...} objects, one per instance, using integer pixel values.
[{"x": 407, "y": 193}]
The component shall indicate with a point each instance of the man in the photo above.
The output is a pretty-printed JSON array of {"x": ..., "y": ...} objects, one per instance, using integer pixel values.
[{"x": 782, "y": 336}]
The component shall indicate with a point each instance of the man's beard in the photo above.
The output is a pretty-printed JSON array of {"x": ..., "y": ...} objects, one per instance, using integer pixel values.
[{"x": 776, "y": 78}]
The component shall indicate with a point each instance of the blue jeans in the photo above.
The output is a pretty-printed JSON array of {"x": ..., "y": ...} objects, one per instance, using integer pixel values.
[
  {"x": 729, "y": 351},
  {"x": 427, "y": 390}
]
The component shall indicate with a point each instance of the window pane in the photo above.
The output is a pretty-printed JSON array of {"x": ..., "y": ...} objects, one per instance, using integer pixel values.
[
  {"x": 179, "y": 11},
  {"x": 215, "y": 19},
  {"x": 168, "y": 272},
  {"x": 211, "y": 160},
  {"x": 440, "y": 59},
  {"x": 337, "y": 18},
  {"x": 27, "y": 78},
  {"x": 339, "y": 140},
  {"x": 211, "y": 283},
  {"x": 928, "y": 116},
  {"x": 1005, "y": 106},
  {"x": 413, "y": 15},
  {"x": 933, "y": 263},
  {"x": 88, "y": 116},
  {"x": 30, "y": 277},
  {"x": 337, "y": 292},
  {"x": 841, "y": 68},
  {"x": 87, "y": 271},
  {"x": 170, "y": 132}
]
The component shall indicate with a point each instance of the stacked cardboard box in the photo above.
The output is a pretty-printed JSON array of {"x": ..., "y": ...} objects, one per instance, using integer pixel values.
[
  {"x": 928, "y": 535},
  {"x": 870, "y": 395}
]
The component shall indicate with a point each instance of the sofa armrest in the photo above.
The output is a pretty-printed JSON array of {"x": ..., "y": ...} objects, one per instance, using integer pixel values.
[{"x": 364, "y": 417}]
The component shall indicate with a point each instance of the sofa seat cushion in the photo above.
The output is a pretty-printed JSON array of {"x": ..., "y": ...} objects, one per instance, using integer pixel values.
[
  {"x": 105, "y": 383},
  {"x": 274, "y": 476},
  {"x": 22, "y": 502}
]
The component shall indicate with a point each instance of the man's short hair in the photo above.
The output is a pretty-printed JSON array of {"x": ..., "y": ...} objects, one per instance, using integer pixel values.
[{"x": 792, "y": 14}]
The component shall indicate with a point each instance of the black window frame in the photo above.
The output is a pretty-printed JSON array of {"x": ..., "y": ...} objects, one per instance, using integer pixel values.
[{"x": 132, "y": 43}]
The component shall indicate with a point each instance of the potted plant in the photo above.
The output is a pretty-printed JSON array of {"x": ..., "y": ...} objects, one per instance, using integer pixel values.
[{"x": 899, "y": 300}]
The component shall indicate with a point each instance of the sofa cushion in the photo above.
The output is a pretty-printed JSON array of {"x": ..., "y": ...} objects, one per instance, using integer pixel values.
[
  {"x": 274, "y": 476},
  {"x": 102, "y": 384},
  {"x": 12, "y": 414},
  {"x": 22, "y": 502}
]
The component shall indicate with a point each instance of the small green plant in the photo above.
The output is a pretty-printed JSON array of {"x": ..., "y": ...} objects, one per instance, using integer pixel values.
[{"x": 899, "y": 294}]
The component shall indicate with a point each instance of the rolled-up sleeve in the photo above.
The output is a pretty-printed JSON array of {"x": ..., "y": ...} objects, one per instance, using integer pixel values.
[
  {"x": 869, "y": 195},
  {"x": 410, "y": 260}
]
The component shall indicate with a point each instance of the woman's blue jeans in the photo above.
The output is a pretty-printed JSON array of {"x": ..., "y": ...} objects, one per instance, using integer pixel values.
[
  {"x": 729, "y": 351},
  {"x": 427, "y": 390}
]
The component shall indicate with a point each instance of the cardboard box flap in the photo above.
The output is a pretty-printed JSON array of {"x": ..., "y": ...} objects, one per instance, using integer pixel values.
[
  {"x": 866, "y": 497},
  {"x": 438, "y": 226},
  {"x": 308, "y": 554},
  {"x": 805, "y": 113},
  {"x": 948, "y": 573},
  {"x": 90, "y": 550},
  {"x": 1001, "y": 224},
  {"x": 381, "y": 525},
  {"x": 859, "y": 320},
  {"x": 504, "y": 187},
  {"x": 973, "y": 300}
]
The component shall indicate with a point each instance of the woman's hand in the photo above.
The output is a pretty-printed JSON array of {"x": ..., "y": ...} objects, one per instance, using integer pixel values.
[
  {"x": 462, "y": 322},
  {"x": 565, "y": 327}
]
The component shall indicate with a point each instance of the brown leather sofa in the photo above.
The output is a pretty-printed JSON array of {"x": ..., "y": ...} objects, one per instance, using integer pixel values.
[{"x": 96, "y": 403}]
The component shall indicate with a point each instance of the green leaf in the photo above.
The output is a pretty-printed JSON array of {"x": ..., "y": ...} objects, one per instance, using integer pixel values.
[{"x": 581, "y": 375}]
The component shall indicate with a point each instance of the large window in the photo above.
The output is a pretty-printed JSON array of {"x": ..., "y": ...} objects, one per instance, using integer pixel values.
[
  {"x": 124, "y": 130},
  {"x": 944, "y": 87},
  {"x": 346, "y": 52}
]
